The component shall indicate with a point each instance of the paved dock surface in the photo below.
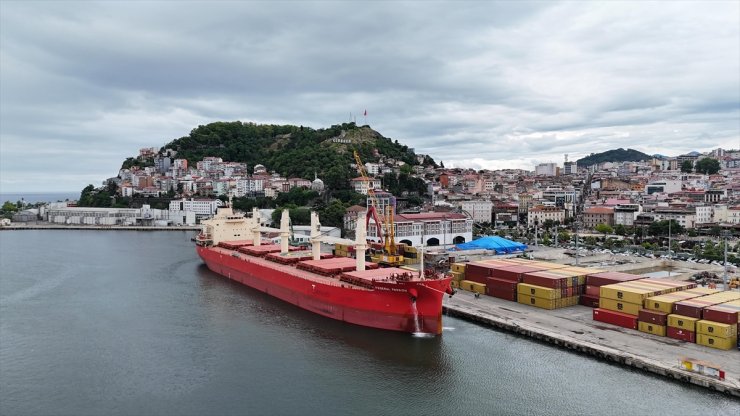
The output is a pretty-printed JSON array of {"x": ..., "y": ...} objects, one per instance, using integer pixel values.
[{"x": 575, "y": 329}]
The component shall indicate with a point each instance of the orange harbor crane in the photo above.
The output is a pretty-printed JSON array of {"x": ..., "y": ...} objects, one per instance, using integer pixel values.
[{"x": 383, "y": 221}]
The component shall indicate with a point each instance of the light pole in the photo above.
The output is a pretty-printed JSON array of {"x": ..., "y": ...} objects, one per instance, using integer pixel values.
[
  {"x": 724, "y": 277},
  {"x": 576, "y": 226}
]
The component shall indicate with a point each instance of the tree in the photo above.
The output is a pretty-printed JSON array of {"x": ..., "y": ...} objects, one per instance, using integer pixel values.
[
  {"x": 9, "y": 207},
  {"x": 620, "y": 229},
  {"x": 708, "y": 166},
  {"x": 604, "y": 228},
  {"x": 687, "y": 166}
]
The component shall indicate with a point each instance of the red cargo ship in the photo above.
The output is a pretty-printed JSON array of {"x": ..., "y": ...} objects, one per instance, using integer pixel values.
[{"x": 340, "y": 288}]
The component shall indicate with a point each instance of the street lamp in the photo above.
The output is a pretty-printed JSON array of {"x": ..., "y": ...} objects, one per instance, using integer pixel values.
[
  {"x": 725, "y": 233},
  {"x": 576, "y": 223}
]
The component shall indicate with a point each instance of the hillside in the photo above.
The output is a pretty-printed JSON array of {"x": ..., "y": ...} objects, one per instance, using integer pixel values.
[
  {"x": 618, "y": 155},
  {"x": 292, "y": 151}
]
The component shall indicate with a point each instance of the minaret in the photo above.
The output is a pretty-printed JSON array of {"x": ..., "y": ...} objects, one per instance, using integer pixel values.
[
  {"x": 284, "y": 231},
  {"x": 256, "y": 234},
  {"x": 360, "y": 242},
  {"x": 315, "y": 234}
]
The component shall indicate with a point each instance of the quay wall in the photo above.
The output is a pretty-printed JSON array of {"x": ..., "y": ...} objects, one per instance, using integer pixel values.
[{"x": 592, "y": 349}]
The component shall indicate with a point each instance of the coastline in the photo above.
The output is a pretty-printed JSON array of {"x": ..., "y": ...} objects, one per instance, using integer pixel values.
[
  {"x": 16, "y": 226},
  {"x": 574, "y": 329}
]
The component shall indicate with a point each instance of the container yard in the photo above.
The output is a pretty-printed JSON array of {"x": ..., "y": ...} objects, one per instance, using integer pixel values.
[{"x": 664, "y": 326}]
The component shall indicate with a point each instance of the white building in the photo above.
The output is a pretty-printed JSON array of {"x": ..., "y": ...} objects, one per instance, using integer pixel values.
[
  {"x": 666, "y": 186},
  {"x": 625, "y": 214},
  {"x": 360, "y": 185},
  {"x": 104, "y": 216},
  {"x": 202, "y": 208},
  {"x": 428, "y": 229},
  {"x": 704, "y": 214},
  {"x": 546, "y": 169},
  {"x": 479, "y": 210}
]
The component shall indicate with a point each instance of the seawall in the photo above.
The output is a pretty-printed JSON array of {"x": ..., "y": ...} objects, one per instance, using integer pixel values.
[{"x": 573, "y": 329}]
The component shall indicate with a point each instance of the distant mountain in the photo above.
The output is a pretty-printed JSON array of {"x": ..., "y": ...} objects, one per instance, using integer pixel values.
[{"x": 618, "y": 155}]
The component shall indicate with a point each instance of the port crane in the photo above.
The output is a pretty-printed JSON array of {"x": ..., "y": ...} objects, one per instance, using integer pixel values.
[{"x": 383, "y": 220}]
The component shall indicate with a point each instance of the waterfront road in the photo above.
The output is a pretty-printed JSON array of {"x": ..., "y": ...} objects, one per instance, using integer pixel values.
[{"x": 574, "y": 328}]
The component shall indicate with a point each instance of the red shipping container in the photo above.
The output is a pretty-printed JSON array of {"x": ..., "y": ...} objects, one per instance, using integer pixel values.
[
  {"x": 502, "y": 294},
  {"x": 693, "y": 311},
  {"x": 590, "y": 301},
  {"x": 653, "y": 317},
  {"x": 500, "y": 284},
  {"x": 681, "y": 334},
  {"x": 512, "y": 273},
  {"x": 615, "y": 318},
  {"x": 723, "y": 313},
  {"x": 476, "y": 278},
  {"x": 593, "y": 290},
  {"x": 608, "y": 278}
]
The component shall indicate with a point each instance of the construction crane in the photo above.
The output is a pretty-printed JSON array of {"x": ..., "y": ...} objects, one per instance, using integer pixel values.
[{"x": 383, "y": 220}]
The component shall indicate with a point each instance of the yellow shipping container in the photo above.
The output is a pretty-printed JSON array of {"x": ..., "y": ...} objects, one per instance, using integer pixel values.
[
  {"x": 538, "y": 291},
  {"x": 458, "y": 267},
  {"x": 682, "y": 322},
  {"x": 664, "y": 303},
  {"x": 457, "y": 275},
  {"x": 651, "y": 328},
  {"x": 638, "y": 290},
  {"x": 454, "y": 284},
  {"x": 716, "y": 342},
  {"x": 534, "y": 301},
  {"x": 409, "y": 249},
  {"x": 716, "y": 329},
  {"x": 471, "y": 286},
  {"x": 620, "y": 306}
]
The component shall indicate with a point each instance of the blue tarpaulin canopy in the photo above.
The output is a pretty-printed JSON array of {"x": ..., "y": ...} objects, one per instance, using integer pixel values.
[{"x": 501, "y": 245}]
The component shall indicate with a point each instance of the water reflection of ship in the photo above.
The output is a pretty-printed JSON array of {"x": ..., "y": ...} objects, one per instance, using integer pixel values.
[{"x": 224, "y": 297}]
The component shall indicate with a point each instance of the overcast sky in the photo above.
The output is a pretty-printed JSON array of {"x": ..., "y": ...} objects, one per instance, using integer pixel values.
[{"x": 83, "y": 85}]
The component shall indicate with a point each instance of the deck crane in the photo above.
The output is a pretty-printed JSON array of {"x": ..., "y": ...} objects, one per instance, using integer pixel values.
[{"x": 383, "y": 220}]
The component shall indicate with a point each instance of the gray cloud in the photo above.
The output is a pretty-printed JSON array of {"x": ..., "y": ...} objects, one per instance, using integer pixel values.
[{"x": 481, "y": 84}]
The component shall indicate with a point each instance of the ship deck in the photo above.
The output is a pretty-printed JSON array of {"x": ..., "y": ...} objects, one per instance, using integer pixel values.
[{"x": 292, "y": 269}]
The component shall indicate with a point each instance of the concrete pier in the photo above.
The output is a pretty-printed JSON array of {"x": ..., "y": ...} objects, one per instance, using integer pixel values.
[
  {"x": 574, "y": 329},
  {"x": 97, "y": 227}
]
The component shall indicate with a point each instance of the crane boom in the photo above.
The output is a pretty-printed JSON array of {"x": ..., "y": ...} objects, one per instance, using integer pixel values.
[{"x": 383, "y": 220}]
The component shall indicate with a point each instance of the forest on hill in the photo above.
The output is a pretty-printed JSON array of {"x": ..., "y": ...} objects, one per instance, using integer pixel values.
[{"x": 616, "y": 155}]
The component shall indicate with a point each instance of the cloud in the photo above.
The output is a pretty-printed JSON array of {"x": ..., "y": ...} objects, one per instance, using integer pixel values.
[{"x": 83, "y": 85}]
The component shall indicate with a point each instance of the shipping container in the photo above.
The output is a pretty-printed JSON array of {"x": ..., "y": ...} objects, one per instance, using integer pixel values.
[
  {"x": 609, "y": 278},
  {"x": 615, "y": 318},
  {"x": 716, "y": 329},
  {"x": 501, "y": 285},
  {"x": 664, "y": 303},
  {"x": 726, "y": 313},
  {"x": 716, "y": 342},
  {"x": 682, "y": 322},
  {"x": 651, "y": 328},
  {"x": 458, "y": 267},
  {"x": 637, "y": 291},
  {"x": 471, "y": 286},
  {"x": 590, "y": 301},
  {"x": 681, "y": 334},
  {"x": 653, "y": 317},
  {"x": 694, "y": 307},
  {"x": 539, "y": 291},
  {"x": 503, "y": 294},
  {"x": 620, "y": 306}
]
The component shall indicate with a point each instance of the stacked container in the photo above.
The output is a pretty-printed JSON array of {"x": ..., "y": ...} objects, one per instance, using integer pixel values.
[
  {"x": 471, "y": 286},
  {"x": 458, "y": 274},
  {"x": 594, "y": 281},
  {"x": 657, "y": 309},
  {"x": 550, "y": 289},
  {"x": 628, "y": 297},
  {"x": 726, "y": 313}
]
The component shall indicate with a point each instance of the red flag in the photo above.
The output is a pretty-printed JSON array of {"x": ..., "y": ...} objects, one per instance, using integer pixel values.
[{"x": 365, "y": 113}]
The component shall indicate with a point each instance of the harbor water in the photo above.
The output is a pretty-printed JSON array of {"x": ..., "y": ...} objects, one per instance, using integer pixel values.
[{"x": 131, "y": 323}]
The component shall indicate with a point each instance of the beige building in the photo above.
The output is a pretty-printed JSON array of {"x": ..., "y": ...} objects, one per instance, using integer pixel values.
[
  {"x": 598, "y": 215},
  {"x": 540, "y": 214}
]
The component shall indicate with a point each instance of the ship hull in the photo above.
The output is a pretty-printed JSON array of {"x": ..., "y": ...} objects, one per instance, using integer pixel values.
[{"x": 389, "y": 307}]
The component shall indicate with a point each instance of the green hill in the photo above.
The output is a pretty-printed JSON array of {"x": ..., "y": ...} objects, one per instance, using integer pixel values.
[
  {"x": 618, "y": 155},
  {"x": 292, "y": 151}
]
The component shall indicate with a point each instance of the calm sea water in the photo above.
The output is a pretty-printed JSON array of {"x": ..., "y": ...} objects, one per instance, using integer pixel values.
[
  {"x": 131, "y": 323},
  {"x": 34, "y": 197}
]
